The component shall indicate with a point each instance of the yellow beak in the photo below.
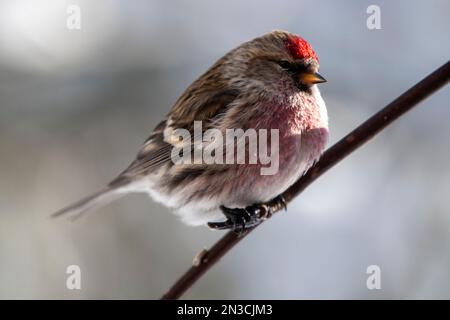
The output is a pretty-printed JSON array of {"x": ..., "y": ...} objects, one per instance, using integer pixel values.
[{"x": 311, "y": 78}]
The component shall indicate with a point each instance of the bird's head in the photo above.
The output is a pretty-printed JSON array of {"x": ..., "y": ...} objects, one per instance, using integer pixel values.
[{"x": 277, "y": 62}]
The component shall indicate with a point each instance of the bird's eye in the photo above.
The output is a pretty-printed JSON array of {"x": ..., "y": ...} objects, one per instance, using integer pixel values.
[{"x": 285, "y": 64}]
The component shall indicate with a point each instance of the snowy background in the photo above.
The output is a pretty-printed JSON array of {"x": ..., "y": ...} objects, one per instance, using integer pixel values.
[{"x": 76, "y": 105}]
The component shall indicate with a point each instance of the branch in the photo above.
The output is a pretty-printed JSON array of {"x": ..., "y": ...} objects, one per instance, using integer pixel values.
[{"x": 329, "y": 158}]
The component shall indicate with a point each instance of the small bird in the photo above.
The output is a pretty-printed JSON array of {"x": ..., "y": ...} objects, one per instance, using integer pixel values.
[{"x": 267, "y": 83}]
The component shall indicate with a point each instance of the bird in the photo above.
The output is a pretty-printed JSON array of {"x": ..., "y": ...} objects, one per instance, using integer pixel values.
[{"x": 267, "y": 83}]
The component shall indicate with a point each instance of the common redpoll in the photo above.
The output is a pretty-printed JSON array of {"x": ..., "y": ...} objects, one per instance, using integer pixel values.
[{"x": 265, "y": 85}]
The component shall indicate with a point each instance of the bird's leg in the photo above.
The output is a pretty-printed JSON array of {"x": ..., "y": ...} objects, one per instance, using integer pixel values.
[{"x": 241, "y": 219}]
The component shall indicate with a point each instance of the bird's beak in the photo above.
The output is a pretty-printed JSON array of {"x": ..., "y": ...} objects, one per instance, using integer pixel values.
[{"x": 311, "y": 78}]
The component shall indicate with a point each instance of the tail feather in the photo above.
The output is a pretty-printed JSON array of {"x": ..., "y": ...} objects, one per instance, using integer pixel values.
[{"x": 95, "y": 200}]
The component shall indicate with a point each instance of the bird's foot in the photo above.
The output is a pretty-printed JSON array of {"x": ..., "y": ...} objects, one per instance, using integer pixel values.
[{"x": 242, "y": 219}]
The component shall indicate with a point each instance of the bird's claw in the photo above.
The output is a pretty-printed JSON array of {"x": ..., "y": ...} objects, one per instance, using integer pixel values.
[
  {"x": 278, "y": 203},
  {"x": 239, "y": 219},
  {"x": 242, "y": 219}
]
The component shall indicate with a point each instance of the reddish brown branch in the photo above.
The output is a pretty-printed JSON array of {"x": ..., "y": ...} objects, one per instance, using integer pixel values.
[{"x": 331, "y": 157}]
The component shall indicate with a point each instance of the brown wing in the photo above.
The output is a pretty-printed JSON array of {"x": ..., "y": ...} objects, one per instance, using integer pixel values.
[{"x": 156, "y": 151}]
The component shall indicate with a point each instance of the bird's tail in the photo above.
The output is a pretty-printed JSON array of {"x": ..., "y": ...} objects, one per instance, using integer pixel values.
[{"x": 95, "y": 200}]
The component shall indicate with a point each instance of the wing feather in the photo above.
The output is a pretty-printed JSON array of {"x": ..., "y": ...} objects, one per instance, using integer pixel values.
[{"x": 156, "y": 151}]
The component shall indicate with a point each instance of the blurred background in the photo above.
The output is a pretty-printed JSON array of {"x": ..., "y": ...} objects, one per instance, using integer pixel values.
[{"x": 75, "y": 106}]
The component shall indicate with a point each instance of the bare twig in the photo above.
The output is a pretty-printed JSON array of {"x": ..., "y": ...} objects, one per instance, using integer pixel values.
[{"x": 331, "y": 157}]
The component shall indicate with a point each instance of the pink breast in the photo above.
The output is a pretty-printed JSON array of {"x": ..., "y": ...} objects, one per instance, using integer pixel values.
[{"x": 302, "y": 138}]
